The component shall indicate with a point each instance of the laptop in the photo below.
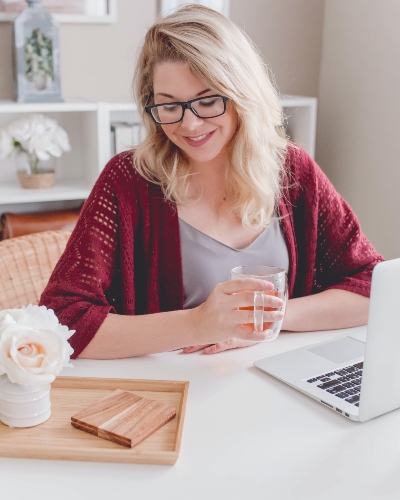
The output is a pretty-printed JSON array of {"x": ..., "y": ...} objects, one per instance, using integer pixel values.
[{"x": 356, "y": 375}]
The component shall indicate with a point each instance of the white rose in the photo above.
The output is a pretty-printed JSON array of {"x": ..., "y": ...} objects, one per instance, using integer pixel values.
[
  {"x": 60, "y": 138},
  {"x": 50, "y": 124},
  {"x": 39, "y": 145},
  {"x": 48, "y": 139},
  {"x": 21, "y": 130},
  {"x": 37, "y": 135},
  {"x": 6, "y": 144},
  {"x": 33, "y": 345}
]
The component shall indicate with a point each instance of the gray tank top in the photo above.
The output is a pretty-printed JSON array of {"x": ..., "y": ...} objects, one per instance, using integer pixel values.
[{"x": 207, "y": 262}]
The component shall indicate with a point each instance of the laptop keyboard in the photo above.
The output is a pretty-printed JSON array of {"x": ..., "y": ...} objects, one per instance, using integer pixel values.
[{"x": 344, "y": 383}]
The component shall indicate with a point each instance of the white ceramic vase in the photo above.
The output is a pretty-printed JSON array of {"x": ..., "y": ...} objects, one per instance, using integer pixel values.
[{"x": 22, "y": 405}]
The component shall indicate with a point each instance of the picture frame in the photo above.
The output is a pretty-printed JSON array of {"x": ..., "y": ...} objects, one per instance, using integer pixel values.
[
  {"x": 67, "y": 11},
  {"x": 221, "y": 6},
  {"x": 36, "y": 56}
]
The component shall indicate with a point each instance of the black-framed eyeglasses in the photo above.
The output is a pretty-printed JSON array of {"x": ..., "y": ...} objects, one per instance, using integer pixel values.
[{"x": 210, "y": 106}]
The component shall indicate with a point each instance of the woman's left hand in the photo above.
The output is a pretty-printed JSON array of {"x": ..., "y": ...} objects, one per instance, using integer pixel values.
[{"x": 221, "y": 346}]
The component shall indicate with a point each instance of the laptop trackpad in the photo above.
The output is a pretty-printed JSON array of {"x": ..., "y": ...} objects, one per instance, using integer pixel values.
[{"x": 341, "y": 350}]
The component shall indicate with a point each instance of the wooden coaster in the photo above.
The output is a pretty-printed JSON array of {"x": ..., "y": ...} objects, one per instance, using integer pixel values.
[{"x": 123, "y": 417}]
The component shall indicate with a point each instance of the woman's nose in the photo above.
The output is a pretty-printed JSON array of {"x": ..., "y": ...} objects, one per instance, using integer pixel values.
[{"x": 190, "y": 121}]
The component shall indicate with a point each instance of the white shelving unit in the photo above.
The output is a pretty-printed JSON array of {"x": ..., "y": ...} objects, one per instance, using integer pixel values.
[
  {"x": 301, "y": 125},
  {"x": 112, "y": 112},
  {"x": 88, "y": 126},
  {"x": 76, "y": 171}
]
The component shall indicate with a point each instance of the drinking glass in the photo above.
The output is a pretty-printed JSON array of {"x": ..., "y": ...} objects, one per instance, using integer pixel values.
[{"x": 275, "y": 275}]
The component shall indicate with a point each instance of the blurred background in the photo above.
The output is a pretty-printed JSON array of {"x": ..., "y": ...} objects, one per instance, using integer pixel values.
[{"x": 345, "y": 53}]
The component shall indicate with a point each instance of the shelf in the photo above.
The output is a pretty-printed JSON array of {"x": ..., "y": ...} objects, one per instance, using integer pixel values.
[
  {"x": 47, "y": 107},
  {"x": 121, "y": 106},
  {"x": 11, "y": 193},
  {"x": 301, "y": 120},
  {"x": 289, "y": 101}
]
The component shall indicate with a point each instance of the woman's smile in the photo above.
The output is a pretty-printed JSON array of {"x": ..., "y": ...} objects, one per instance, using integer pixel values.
[{"x": 199, "y": 140}]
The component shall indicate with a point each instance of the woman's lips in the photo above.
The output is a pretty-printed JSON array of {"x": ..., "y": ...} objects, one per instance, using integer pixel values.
[{"x": 199, "y": 140}]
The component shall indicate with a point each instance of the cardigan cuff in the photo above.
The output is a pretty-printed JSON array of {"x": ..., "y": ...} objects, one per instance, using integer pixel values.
[{"x": 87, "y": 327}]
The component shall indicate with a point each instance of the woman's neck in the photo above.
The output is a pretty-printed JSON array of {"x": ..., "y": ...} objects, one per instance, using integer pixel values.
[{"x": 209, "y": 178}]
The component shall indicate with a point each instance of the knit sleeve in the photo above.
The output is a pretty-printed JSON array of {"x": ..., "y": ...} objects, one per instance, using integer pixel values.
[
  {"x": 81, "y": 289},
  {"x": 336, "y": 251}
]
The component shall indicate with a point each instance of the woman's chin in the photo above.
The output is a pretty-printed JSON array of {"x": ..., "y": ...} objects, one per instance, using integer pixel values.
[{"x": 202, "y": 156}]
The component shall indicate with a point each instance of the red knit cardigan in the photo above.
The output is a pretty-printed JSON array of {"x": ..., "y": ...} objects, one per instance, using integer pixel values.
[{"x": 124, "y": 255}]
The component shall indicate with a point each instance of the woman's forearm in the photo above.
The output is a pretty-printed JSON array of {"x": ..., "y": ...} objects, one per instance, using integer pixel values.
[
  {"x": 128, "y": 336},
  {"x": 328, "y": 310},
  {"x": 217, "y": 319}
]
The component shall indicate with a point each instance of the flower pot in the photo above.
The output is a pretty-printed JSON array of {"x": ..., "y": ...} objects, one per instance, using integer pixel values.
[
  {"x": 34, "y": 173},
  {"x": 22, "y": 405},
  {"x": 43, "y": 180}
]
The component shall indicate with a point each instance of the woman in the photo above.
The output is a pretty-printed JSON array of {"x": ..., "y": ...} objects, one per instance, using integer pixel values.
[{"x": 215, "y": 180}]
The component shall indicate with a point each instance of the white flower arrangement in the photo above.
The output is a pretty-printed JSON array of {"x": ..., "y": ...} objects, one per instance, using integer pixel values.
[
  {"x": 37, "y": 136},
  {"x": 34, "y": 346}
]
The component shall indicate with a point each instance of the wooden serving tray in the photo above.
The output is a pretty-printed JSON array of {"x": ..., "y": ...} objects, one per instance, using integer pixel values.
[{"x": 57, "y": 439}]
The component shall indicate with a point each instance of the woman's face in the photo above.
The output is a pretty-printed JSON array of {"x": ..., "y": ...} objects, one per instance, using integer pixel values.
[{"x": 201, "y": 139}]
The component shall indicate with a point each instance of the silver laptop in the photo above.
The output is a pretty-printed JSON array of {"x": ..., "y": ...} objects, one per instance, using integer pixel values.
[{"x": 357, "y": 375}]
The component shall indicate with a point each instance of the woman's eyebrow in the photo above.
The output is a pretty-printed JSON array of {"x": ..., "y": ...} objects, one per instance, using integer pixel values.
[{"x": 172, "y": 97}]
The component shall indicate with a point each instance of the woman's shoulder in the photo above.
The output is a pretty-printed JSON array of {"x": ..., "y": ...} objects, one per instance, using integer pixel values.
[
  {"x": 299, "y": 163},
  {"x": 301, "y": 172}
]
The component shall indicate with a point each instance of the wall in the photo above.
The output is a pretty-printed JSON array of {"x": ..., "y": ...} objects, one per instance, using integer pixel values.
[
  {"x": 98, "y": 60},
  {"x": 289, "y": 35},
  {"x": 359, "y": 113}
]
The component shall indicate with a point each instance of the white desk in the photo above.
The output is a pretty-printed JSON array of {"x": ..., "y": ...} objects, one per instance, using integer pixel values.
[{"x": 246, "y": 435}]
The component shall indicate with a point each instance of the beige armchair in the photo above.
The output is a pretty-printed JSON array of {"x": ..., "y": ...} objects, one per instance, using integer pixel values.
[{"x": 26, "y": 264}]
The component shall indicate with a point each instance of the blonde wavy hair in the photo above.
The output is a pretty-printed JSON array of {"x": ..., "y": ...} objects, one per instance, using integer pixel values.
[{"x": 224, "y": 58}]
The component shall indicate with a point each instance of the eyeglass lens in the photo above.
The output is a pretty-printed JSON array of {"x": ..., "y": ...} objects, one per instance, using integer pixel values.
[{"x": 208, "y": 107}]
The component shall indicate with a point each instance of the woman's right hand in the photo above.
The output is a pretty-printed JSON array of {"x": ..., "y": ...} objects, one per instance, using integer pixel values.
[{"x": 219, "y": 318}]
